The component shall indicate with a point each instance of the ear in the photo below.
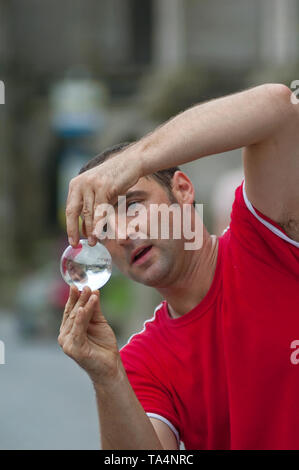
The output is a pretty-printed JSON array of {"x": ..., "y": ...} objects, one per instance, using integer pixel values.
[{"x": 183, "y": 188}]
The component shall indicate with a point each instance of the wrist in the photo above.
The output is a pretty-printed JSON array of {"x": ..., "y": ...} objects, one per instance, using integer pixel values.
[
  {"x": 110, "y": 382},
  {"x": 138, "y": 156}
]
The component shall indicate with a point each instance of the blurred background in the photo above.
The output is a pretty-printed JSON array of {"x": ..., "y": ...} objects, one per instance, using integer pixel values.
[{"x": 81, "y": 75}]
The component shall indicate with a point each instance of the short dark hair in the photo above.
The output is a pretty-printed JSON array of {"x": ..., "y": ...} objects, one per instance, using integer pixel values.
[{"x": 163, "y": 177}]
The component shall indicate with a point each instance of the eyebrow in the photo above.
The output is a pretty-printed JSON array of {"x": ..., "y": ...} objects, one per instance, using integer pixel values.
[{"x": 136, "y": 193}]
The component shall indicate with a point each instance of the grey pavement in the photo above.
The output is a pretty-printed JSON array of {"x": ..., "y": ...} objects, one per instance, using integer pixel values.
[{"x": 46, "y": 400}]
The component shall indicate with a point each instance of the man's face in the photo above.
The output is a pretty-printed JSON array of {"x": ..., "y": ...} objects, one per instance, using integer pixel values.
[
  {"x": 154, "y": 268},
  {"x": 76, "y": 271}
]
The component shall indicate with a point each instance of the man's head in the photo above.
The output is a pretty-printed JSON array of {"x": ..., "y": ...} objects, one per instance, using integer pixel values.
[
  {"x": 163, "y": 177},
  {"x": 165, "y": 257}
]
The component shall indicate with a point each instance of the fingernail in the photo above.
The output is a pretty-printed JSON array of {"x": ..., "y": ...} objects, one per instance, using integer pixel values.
[
  {"x": 71, "y": 241},
  {"x": 92, "y": 241}
]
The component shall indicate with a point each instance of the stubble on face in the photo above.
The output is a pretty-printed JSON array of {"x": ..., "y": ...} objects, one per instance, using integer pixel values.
[{"x": 158, "y": 270}]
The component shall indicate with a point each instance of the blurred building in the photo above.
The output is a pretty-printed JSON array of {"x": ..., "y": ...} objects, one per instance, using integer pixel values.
[
  {"x": 154, "y": 58},
  {"x": 121, "y": 43}
]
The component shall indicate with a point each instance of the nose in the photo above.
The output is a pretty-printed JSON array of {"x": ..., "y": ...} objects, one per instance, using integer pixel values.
[{"x": 124, "y": 233}]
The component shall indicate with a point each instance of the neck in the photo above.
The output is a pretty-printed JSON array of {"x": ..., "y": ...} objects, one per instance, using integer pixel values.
[{"x": 194, "y": 280}]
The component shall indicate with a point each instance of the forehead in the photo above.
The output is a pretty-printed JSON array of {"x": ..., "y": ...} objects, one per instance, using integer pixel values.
[{"x": 146, "y": 185}]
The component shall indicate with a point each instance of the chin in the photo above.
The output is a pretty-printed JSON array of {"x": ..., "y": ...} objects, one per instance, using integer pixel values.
[{"x": 156, "y": 279}]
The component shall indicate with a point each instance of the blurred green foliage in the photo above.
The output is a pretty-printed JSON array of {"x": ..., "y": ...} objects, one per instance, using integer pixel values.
[{"x": 117, "y": 300}]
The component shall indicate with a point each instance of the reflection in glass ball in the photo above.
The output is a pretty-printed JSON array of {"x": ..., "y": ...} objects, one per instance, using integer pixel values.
[{"x": 86, "y": 265}]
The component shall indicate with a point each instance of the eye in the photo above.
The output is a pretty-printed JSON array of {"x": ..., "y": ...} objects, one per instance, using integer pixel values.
[{"x": 132, "y": 203}]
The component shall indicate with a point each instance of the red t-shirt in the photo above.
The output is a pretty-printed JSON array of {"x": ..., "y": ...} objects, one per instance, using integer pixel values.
[{"x": 226, "y": 374}]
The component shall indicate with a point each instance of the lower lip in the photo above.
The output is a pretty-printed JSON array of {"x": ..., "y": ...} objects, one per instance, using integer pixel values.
[{"x": 143, "y": 257}]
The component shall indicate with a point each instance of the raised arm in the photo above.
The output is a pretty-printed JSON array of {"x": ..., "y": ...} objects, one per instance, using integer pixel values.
[
  {"x": 87, "y": 338},
  {"x": 249, "y": 119}
]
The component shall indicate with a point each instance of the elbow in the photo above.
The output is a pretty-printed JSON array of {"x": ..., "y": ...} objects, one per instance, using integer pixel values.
[
  {"x": 279, "y": 92},
  {"x": 281, "y": 98}
]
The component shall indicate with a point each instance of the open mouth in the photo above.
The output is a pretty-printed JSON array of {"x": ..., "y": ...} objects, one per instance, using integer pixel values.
[{"x": 142, "y": 255}]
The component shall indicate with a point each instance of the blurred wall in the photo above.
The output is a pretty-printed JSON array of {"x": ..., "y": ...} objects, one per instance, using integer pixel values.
[{"x": 155, "y": 57}]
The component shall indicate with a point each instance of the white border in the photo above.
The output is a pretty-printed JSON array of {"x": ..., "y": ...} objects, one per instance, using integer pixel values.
[
  {"x": 267, "y": 224},
  {"x": 171, "y": 426},
  {"x": 144, "y": 324}
]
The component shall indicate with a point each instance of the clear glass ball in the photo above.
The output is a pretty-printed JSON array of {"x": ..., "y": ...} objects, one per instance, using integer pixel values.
[{"x": 86, "y": 265}]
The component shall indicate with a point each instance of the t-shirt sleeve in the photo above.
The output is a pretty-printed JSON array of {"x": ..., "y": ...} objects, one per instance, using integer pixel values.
[
  {"x": 261, "y": 237},
  {"x": 148, "y": 381}
]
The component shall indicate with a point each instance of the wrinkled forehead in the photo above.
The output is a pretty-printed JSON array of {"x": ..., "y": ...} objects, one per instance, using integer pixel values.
[{"x": 145, "y": 187}]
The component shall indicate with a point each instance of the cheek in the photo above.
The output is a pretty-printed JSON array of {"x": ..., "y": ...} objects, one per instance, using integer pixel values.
[
  {"x": 117, "y": 255},
  {"x": 171, "y": 251},
  {"x": 164, "y": 226},
  {"x": 111, "y": 248}
]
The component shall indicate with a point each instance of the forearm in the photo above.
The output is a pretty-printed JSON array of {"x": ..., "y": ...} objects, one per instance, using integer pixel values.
[
  {"x": 123, "y": 423},
  {"x": 220, "y": 125}
]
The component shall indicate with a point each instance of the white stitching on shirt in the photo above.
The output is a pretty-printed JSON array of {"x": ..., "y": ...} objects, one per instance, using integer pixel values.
[
  {"x": 171, "y": 426},
  {"x": 267, "y": 224}
]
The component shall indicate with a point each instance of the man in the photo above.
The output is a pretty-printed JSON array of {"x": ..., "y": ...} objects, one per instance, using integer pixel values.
[{"x": 216, "y": 368}]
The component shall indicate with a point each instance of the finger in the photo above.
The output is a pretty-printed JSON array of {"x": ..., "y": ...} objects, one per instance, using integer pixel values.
[
  {"x": 84, "y": 233},
  {"x": 73, "y": 210},
  {"x": 98, "y": 215},
  {"x": 104, "y": 214},
  {"x": 83, "y": 318},
  {"x": 83, "y": 298},
  {"x": 87, "y": 211},
  {"x": 97, "y": 312},
  {"x": 71, "y": 302}
]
